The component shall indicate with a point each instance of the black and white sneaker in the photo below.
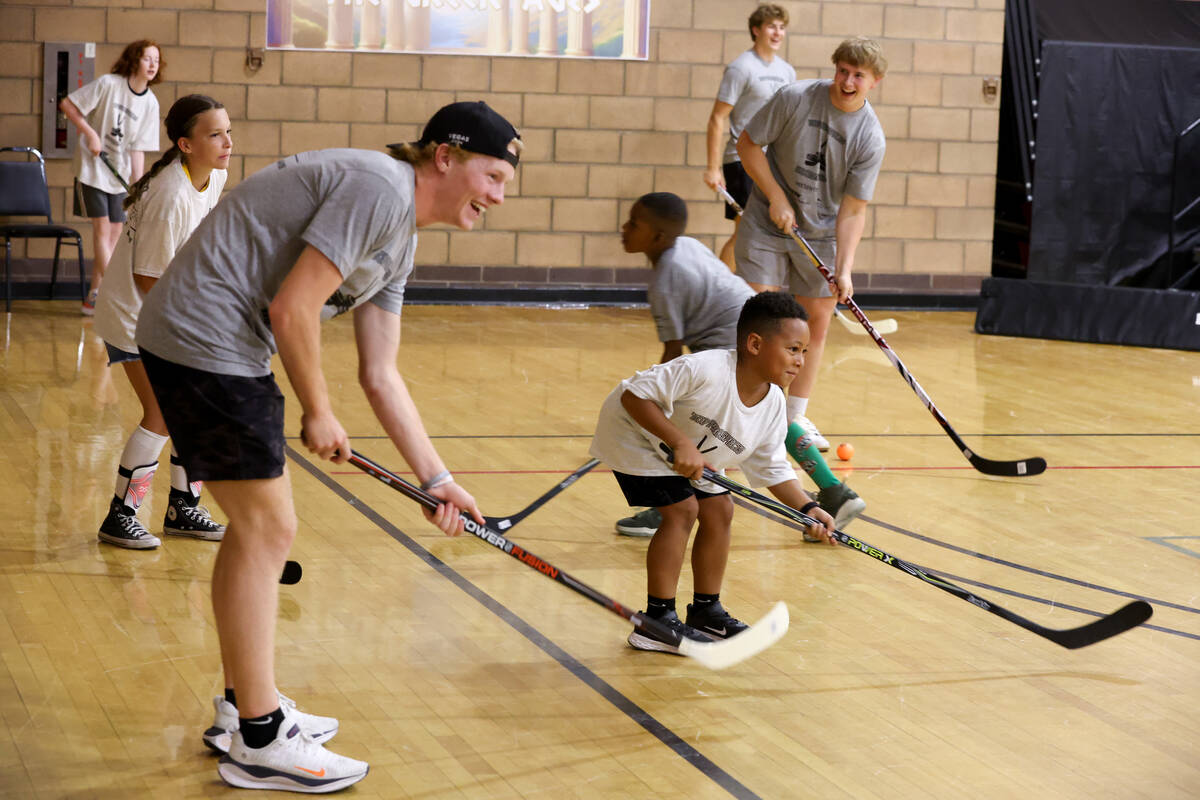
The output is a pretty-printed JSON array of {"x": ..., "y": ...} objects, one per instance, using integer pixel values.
[
  {"x": 185, "y": 519},
  {"x": 714, "y": 620},
  {"x": 644, "y": 639},
  {"x": 121, "y": 527}
]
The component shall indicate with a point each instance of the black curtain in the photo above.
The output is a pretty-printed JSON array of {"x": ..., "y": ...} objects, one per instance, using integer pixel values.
[
  {"x": 1107, "y": 123},
  {"x": 1161, "y": 23}
]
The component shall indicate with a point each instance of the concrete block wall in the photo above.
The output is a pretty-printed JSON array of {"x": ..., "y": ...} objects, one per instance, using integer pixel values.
[{"x": 598, "y": 133}]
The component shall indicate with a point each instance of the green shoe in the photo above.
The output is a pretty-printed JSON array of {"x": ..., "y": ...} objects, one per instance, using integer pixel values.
[{"x": 643, "y": 524}]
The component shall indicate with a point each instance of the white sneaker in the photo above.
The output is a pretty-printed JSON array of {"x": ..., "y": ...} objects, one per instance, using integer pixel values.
[
  {"x": 225, "y": 723},
  {"x": 293, "y": 762},
  {"x": 820, "y": 441}
]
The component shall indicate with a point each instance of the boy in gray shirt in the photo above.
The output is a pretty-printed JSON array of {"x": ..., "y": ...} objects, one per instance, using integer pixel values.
[
  {"x": 694, "y": 298},
  {"x": 696, "y": 302},
  {"x": 313, "y": 236},
  {"x": 824, "y": 148},
  {"x": 748, "y": 82}
]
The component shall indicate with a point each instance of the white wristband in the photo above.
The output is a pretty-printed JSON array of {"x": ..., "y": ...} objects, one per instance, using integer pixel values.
[{"x": 441, "y": 479}]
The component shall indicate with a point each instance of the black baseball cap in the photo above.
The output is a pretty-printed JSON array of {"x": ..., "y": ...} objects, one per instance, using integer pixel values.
[{"x": 473, "y": 126}]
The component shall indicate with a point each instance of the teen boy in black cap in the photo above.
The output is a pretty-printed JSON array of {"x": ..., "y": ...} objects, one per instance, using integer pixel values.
[{"x": 313, "y": 236}]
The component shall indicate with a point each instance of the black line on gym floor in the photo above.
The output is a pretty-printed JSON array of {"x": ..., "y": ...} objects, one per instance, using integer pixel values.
[
  {"x": 565, "y": 659},
  {"x": 787, "y": 523},
  {"x": 1022, "y": 567},
  {"x": 1052, "y": 603}
]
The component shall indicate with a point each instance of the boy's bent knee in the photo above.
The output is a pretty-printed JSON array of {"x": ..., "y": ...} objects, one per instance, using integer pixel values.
[{"x": 684, "y": 513}]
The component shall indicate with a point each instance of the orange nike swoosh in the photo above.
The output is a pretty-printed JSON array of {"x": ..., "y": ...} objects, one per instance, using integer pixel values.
[{"x": 313, "y": 772}]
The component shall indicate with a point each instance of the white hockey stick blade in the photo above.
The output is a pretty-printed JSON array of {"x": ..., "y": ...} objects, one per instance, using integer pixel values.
[
  {"x": 883, "y": 327},
  {"x": 727, "y": 652}
]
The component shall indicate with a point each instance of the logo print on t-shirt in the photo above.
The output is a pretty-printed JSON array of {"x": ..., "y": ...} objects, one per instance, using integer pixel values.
[
  {"x": 818, "y": 158},
  {"x": 341, "y": 302}
]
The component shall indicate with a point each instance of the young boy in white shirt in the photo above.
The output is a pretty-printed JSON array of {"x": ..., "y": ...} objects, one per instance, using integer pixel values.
[
  {"x": 696, "y": 302},
  {"x": 717, "y": 408}
]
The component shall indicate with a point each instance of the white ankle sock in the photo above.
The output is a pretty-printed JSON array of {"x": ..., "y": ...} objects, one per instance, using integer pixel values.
[{"x": 796, "y": 407}]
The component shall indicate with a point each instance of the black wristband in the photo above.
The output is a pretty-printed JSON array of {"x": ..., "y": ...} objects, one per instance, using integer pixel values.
[{"x": 809, "y": 506}]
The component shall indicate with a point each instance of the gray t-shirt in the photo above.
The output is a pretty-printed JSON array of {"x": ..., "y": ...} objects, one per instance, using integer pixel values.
[
  {"x": 695, "y": 298},
  {"x": 817, "y": 154},
  {"x": 209, "y": 311},
  {"x": 747, "y": 84}
]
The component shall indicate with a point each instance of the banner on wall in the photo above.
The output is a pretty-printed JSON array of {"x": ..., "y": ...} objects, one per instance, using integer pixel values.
[{"x": 556, "y": 28}]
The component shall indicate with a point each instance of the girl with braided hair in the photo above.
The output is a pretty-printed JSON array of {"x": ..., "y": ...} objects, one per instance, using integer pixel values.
[{"x": 164, "y": 206}]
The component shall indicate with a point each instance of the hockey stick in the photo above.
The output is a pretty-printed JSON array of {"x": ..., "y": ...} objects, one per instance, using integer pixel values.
[
  {"x": 112, "y": 168},
  {"x": 292, "y": 570},
  {"x": 1121, "y": 620},
  {"x": 888, "y": 325},
  {"x": 714, "y": 655},
  {"x": 503, "y": 524},
  {"x": 1025, "y": 466}
]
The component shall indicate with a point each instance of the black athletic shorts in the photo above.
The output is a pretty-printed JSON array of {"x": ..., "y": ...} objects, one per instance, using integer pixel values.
[
  {"x": 118, "y": 356},
  {"x": 738, "y": 184},
  {"x": 224, "y": 427},
  {"x": 91, "y": 202},
  {"x": 657, "y": 491}
]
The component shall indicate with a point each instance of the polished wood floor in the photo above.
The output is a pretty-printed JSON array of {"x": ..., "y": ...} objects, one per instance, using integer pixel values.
[{"x": 457, "y": 672}]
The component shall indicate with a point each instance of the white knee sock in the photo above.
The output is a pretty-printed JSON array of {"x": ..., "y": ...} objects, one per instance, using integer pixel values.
[{"x": 139, "y": 460}]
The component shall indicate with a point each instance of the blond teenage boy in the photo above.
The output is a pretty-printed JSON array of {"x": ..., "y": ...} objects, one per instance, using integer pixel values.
[{"x": 747, "y": 83}]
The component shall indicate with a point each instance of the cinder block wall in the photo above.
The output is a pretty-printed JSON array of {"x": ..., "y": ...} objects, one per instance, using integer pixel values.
[{"x": 598, "y": 133}]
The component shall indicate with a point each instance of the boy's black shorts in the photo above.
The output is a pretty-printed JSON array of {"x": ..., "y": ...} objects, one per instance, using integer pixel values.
[
  {"x": 224, "y": 427},
  {"x": 657, "y": 491}
]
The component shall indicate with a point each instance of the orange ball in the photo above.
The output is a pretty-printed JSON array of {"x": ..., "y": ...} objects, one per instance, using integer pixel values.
[{"x": 845, "y": 451}]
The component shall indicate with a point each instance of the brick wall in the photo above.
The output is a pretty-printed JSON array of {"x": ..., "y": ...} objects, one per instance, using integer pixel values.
[{"x": 598, "y": 133}]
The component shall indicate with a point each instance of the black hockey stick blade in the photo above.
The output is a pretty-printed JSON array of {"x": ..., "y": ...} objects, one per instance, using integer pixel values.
[
  {"x": 1121, "y": 620},
  {"x": 1009, "y": 469},
  {"x": 291, "y": 573}
]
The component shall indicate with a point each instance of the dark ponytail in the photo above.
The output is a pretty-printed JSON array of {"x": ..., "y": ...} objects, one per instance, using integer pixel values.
[{"x": 181, "y": 119}]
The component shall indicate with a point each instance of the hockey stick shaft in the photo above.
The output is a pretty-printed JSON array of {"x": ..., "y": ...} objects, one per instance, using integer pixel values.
[
  {"x": 495, "y": 539},
  {"x": 504, "y": 523},
  {"x": 113, "y": 169},
  {"x": 1027, "y": 466},
  {"x": 292, "y": 570},
  {"x": 1128, "y": 616}
]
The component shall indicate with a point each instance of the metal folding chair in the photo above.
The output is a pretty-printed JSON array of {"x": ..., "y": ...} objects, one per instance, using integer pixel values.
[{"x": 23, "y": 193}]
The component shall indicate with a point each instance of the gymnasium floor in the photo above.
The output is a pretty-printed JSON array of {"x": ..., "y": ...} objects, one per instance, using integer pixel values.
[{"x": 458, "y": 672}]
